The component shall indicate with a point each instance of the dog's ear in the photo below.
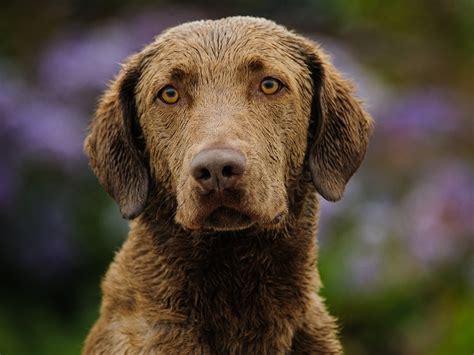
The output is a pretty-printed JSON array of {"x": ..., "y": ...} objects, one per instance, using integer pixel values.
[
  {"x": 114, "y": 144},
  {"x": 339, "y": 126}
]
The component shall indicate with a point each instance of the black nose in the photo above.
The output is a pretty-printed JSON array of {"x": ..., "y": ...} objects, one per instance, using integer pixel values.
[{"x": 217, "y": 169}]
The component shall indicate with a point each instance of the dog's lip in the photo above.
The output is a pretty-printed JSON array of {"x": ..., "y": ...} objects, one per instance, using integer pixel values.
[{"x": 228, "y": 218}]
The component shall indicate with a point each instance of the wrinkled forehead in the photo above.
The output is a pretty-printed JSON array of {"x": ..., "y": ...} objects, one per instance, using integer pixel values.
[{"x": 206, "y": 48}]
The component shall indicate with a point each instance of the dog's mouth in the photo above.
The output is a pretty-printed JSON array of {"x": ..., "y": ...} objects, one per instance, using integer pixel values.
[
  {"x": 231, "y": 210},
  {"x": 226, "y": 219}
]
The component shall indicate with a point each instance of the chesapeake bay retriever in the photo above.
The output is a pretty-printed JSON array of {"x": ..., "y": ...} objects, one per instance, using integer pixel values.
[{"x": 215, "y": 140}]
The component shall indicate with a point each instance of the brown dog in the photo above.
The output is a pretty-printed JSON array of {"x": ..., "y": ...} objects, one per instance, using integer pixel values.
[{"x": 214, "y": 140}]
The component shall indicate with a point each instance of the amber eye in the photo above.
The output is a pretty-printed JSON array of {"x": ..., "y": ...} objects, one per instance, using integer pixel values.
[
  {"x": 169, "y": 95},
  {"x": 270, "y": 86}
]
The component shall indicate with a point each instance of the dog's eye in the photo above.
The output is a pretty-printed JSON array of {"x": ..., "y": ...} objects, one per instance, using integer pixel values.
[
  {"x": 169, "y": 95},
  {"x": 270, "y": 86}
]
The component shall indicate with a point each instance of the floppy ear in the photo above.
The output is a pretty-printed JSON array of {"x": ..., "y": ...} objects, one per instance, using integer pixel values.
[
  {"x": 113, "y": 144},
  {"x": 339, "y": 126}
]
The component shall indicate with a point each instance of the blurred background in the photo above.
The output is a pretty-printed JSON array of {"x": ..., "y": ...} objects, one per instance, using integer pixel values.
[{"x": 397, "y": 253}]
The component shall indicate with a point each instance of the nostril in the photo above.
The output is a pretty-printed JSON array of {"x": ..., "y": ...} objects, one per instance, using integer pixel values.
[
  {"x": 203, "y": 174},
  {"x": 228, "y": 171}
]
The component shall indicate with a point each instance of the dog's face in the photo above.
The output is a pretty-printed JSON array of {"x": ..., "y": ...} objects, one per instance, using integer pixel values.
[
  {"x": 235, "y": 126},
  {"x": 225, "y": 116}
]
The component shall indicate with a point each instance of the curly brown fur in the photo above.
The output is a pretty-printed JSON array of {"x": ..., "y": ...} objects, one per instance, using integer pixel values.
[{"x": 193, "y": 278}]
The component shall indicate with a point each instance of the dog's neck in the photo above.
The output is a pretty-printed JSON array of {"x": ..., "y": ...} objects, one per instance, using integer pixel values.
[
  {"x": 223, "y": 284},
  {"x": 237, "y": 264}
]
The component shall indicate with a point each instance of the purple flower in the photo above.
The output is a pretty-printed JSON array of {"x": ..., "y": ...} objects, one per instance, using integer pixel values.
[
  {"x": 87, "y": 60},
  {"x": 439, "y": 213},
  {"x": 84, "y": 60},
  {"x": 421, "y": 114},
  {"x": 375, "y": 222},
  {"x": 365, "y": 270},
  {"x": 41, "y": 127}
]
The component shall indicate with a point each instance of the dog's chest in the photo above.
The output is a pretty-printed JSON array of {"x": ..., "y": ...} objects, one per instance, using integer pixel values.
[
  {"x": 245, "y": 305},
  {"x": 234, "y": 296},
  {"x": 224, "y": 318}
]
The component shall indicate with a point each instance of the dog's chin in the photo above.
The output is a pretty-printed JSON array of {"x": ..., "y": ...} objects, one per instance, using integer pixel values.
[
  {"x": 214, "y": 216},
  {"x": 227, "y": 219}
]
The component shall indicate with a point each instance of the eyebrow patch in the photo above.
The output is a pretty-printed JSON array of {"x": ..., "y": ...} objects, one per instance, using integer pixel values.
[
  {"x": 178, "y": 74},
  {"x": 255, "y": 65}
]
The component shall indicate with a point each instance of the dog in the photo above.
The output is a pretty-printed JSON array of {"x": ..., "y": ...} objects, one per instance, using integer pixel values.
[{"x": 215, "y": 141}]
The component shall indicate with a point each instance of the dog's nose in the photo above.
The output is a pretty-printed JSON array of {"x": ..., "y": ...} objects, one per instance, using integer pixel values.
[{"x": 217, "y": 169}]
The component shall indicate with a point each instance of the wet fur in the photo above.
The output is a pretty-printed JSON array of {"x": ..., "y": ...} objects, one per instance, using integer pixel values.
[{"x": 177, "y": 287}]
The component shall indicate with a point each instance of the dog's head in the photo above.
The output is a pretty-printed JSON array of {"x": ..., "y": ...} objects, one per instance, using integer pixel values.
[{"x": 226, "y": 117}]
